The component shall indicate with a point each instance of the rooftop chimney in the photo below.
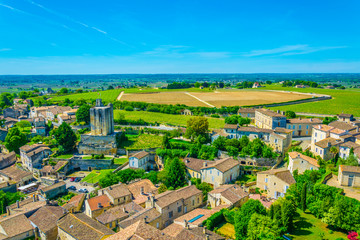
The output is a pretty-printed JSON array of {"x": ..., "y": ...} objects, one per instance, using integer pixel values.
[
  {"x": 204, "y": 230},
  {"x": 8, "y": 210},
  {"x": 205, "y": 164},
  {"x": 99, "y": 205},
  {"x": 142, "y": 190},
  {"x": 310, "y": 119},
  {"x": 278, "y": 111},
  {"x": 17, "y": 204},
  {"x": 34, "y": 198},
  {"x": 207, "y": 237}
]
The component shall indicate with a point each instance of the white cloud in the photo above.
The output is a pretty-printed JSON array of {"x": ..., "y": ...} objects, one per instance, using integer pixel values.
[
  {"x": 5, "y": 49},
  {"x": 289, "y": 50}
]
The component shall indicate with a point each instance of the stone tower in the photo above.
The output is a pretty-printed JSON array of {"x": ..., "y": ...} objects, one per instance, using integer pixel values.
[{"x": 102, "y": 119}]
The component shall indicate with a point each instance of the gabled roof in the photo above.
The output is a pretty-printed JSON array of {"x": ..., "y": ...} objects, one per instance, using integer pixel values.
[
  {"x": 342, "y": 125},
  {"x": 14, "y": 225},
  {"x": 323, "y": 127},
  {"x": 117, "y": 191},
  {"x": 82, "y": 227},
  {"x": 149, "y": 213},
  {"x": 269, "y": 113},
  {"x": 246, "y": 110},
  {"x": 119, "y": 212},
  {"x": 46, "y": 217},
  {"x": 52, "y": 187},
  {"x": 350, "y": 145},
  {"x": 140, "y": 155},
  {"x": 304, "y": 121},
  {"x": 351, "y": 169},
  {"x": 310, "y": 160},
  {"x": 75, "y": 201},
  {"x": 140, "y": 231},
  {"x": 282, "y": 174},
  {"x": 233, "y": 193},
  {"x": 231, "y": 126},
  {"x": 99, "y": 202},
  {"x": 328, "y": 141},
  {"x": 345, "y": 115},
  {"x": 223, "y": 165},
  {"x": 15, "y": 173},
  {"x": 144, "y": 185},
  {"x": 195, "y": 163},
  {"x": 166, "y": 198}
]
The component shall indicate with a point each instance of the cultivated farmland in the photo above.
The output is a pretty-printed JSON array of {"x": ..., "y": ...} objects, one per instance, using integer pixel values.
[
  {"x": 106, "y": 96},
  {"x": 175, "y": 120},
  {"x": 215, "y": 98}
]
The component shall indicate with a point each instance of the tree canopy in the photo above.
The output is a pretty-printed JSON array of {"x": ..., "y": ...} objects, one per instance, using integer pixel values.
[
  {"x": 83, "y": 114},
  {"x": 65, "y": 137},
  {"x": 15, "y": 139}
]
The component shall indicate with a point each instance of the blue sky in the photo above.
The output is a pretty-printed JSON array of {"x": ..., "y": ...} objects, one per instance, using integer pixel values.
[{"x": 173, "y": 36}]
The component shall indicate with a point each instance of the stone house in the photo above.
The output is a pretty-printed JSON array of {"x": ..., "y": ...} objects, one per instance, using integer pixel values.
[
  {"x": 345, "y": 149},
  {"x": 32, "y": 155},
  {"x": 349, "y": 176},
  {"x": 45, "y": 220},
  {"x": 8, "y": 186},
  {"x": 323, "y": 147},
  {"x": 180, "y": 232},
  {"x": 52, "y": 191},
  {"x": 16, "y": 111},
  {"x": 56, "y": 171},
  {"x": 186, "y": 112},
  {"x": 302, "y": 127},
  {"x": 27, "y": 206},
  {"x": 52, "y": 112},
  {"x": 16, "y": 227},
  {"x": 173, "y": 204},
  {"x": 247, "y": 113},
  {"x": 301, "y": 162},
  {"x": 3, "y": 134},
  {"x": 141, "y": 160},
  {"x": 193, "y": 166},
  {"x": 231, "y": 130},
  {"x": 275, "y": 182},
  {"x": 117, "y": 194},
  {"x": 256, "y": 85},
  {"x": 97, "y": 205},
  {"x": 346, "y": 117},
  {"x": 268, "y": 119},
  {"x": 113, "y": 216},
  {"x": 66, "y": 118},
  {"x": 13, "y": 173},
  {"x": 220, "y": 172},
  {"x": 75, "y": 204},
  {"x": 232, "y": 195},
  {"x": 7, "y": 159},
  {"x": 78, "y": 226}
]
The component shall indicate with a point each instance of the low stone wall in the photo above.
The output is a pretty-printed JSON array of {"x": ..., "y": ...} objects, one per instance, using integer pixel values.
[
  {"x": 265, "y": 162},
  {"x": 91, "y": 164}
]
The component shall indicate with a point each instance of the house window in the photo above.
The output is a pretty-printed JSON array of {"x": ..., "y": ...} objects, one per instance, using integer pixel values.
[
  {"x": 179, "y": 209},
  {"x": 266, "y": 180},
  {"x": 316, "y": 149},
  {"x": 218, "y": 173},
  {"x": 265, "y": 187},
  {"x": 110, "y": 225},
  {"x": 289, "y": 127},
  {"x": 307, "y": 126},
  {"x": 307, "y": 132},
  {"x": 299, "y": 127},
  {"x": 157, "y": 225},
  {"x": 193, "y": 202},
  {"x": 212, "y": 179},
  {"x": 170, "y": 214},
  {"x": 315, "y": 134},
  {"x": 293, "y": 126},
  {"x": 210, "y": 171},
  {"x": 320, "y": 151}
]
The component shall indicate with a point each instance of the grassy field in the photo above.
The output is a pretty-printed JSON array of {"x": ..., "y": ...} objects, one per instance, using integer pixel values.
[
  {"x": 227, "y": 229},
  {"x": 120, "y": 161},
  {"x": 216, "y": 98},
  {"x": 346, "y": 101},
  {"x": 143, "y": 141},
  {"x": 107, "y": 96},
  {"x": 247, "y": 178},
  {"x": 64, "y": 156},
  {"x": 309, "y": 227},
  {"x": 175, "y": 120},
  {"x": 96, "y": 175}
]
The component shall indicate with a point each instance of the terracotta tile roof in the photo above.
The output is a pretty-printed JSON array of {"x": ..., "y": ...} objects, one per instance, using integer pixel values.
[
  {"x": 223, "y": 165},
  {"x": 32, "y": 150},
  {"x": 350, "y": 145},
  {"x": 74, "y": 201},
  {"x": 119, "y": 213},
  {"x": 15, "y": 173},
  {"x": 323, "y": 127},
  {"x": 345, "y": 115},
  {"x": 46, "y": 217},
  {"x": 283, "y": 130},
  {"x": 352, "y": 169},
  {"x": 14, "y": 225},
  {"x": 82, "y": 227},
  {"x": 304, "y": 121},
  {"x": 269, "y": 113},
  {"x": 54, "y": 186},
  {"x": 102, "y": 200},
  {"x": 337, "y": 131},
  {"x": 140, "y": 155},
  {"x": 7, "y": 159},
  {"x": 144, "y": 185},
  {"x": 195, "y": 163},
  {"x": 27, "y": 205},
  {"x": 254, "y": 129},
  {"x": 232, "y": 192},
  {"x": 194, "y": 213},
  {"x": 342, "y": 125},
  {"x": 117, "y": 191},
  {"x": 310, "y": 160},
  {"x": 231, "y": 126},
  {"x": 282, "y": 174},
  {"x": 246, "y": 110},
  {"x": 278, "y": 136},
  {"x": 53, "y": 169},
  {"x": 169, "y": 197},
  {"x": 173, "y": 229},
  {"x": 328, "y": 141},
  {"x": 194, "y": 233},
  {"x": 149, "y": 213},
  {"x": 140, "y": 231}
]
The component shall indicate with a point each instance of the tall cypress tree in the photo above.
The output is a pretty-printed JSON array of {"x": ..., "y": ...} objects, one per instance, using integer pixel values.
[{"x": 303, "y": 196}]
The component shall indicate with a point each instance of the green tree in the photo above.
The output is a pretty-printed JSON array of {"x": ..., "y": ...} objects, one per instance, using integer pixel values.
[
  {"x": 23, "y": 124},
  {"x": 197, "y": 126},
  {"x": 64, "y": 91},
  {"x": 288, "y": 210},
  {"x": 165, "y": 142},
  {"x": 162, "y": 188},
  {"x": 290, "y": 114},
  {"x": 5, "y": 100},
  {"x": 262, "y": 228},
  {"x": 7, "y": 199},
  {"x": 176, "y": 175},
  {"x": 83, "y": 114},
  {"x": 303, "y": 196},
  {"x": 243, "y": 216},
  {"x": 15, "y": 139},
  {"x": 65, "y": 137}
]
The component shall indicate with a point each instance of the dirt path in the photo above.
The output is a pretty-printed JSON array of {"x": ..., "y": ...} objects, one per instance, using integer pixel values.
[
  {"x": 120, "y": 95},
  {"x": 200, "y": 100}
]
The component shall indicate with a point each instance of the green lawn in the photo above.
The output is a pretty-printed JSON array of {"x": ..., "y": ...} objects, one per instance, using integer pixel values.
[
  {"x": 143, "y": 141},
  {"x": 227, "y": 230},
  {"x": 64, "y": 156},
  {"x": 90, "y": 157},
  {"x": 120, "y": 161},
  {"x": 309, "y": 227},
  {"x": 346, "y": 101},
  {"x": 247, "y": 178},
  {"x": 175, "y": 120},
  {"x": 96, "y": 175}
]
